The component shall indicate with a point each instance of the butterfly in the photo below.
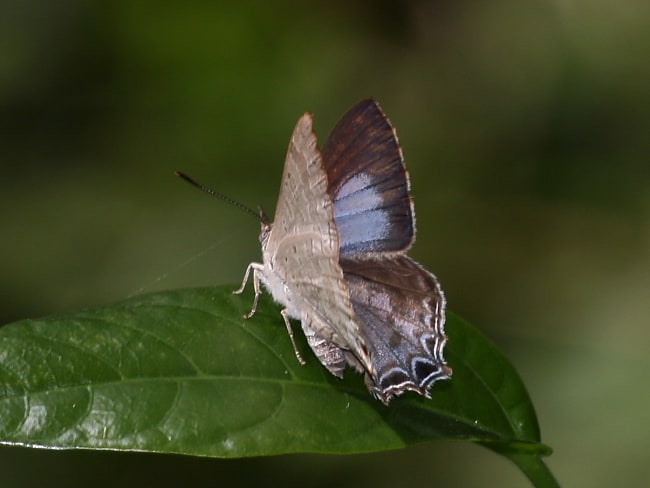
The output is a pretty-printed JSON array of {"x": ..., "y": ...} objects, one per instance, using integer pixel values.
[{"x": 335, "y": 257}]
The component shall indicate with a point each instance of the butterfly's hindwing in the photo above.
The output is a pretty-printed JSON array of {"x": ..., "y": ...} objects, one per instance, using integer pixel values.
[
  {"x": 329, "y": 354},
  {"x": 400, "y": 314}
]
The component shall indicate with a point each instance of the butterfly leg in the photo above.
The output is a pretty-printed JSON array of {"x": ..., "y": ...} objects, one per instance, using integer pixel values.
[
  {"x": 257, "y": 268},
  {"x": 285, "y": 316}
]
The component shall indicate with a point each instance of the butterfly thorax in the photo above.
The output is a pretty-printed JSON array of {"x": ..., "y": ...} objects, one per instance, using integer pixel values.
[{"x": 271, "y": 280}]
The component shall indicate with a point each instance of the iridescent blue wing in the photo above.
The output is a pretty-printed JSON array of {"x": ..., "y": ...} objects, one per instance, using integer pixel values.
[{"x": 368, "y": 182}]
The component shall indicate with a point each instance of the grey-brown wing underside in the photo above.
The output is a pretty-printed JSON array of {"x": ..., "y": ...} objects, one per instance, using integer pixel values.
[{"x": 304, "y": 249}]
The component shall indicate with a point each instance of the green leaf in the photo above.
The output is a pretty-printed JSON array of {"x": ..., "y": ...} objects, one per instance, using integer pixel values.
[{"x": 184, "y": 372}]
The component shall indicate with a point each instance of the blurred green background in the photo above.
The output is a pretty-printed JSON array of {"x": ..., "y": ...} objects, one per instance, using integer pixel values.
[{"x": 525, "y": 126}]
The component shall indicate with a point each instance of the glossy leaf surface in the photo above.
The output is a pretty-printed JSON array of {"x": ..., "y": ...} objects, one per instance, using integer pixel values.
[{"x": 184, "y": 372}]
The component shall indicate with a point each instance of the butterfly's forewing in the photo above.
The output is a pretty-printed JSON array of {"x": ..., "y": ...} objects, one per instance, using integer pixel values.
[
  {"x": 399, "y": 306},
  {"x": 301, "y": 255},
  {"x": 368, "y": 183}
]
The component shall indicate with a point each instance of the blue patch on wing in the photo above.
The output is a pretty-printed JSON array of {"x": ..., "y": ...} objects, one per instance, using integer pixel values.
[
  {"x": 367, "y": 182},
  {"x": 361, "y": 221}
]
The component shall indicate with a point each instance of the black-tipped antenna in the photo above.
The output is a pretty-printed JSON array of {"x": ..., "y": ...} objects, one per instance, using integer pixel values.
[{"x": 221, "y": 196}]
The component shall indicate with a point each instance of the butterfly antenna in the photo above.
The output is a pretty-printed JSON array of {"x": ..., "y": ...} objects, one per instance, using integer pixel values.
[{"x": 218, "y": 195}]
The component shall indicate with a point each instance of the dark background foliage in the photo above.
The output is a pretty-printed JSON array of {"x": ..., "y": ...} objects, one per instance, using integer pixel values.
[{"x": 525, "y": 128}]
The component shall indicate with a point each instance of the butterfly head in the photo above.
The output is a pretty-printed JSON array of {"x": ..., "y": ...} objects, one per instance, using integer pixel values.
[{"x": 266, "y": 226}]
